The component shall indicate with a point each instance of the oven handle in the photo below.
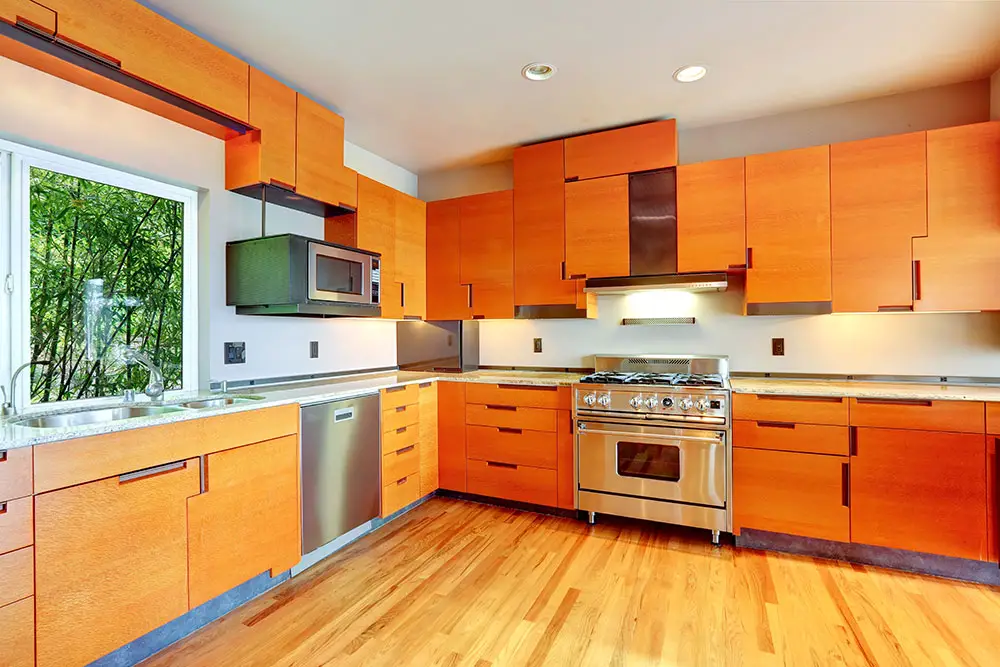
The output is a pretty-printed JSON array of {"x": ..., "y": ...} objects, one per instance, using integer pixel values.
[{"x": 688, "y": 438}]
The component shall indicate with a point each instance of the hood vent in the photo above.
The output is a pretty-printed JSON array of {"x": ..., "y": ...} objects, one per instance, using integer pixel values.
[{"x": 691, "y": 282}]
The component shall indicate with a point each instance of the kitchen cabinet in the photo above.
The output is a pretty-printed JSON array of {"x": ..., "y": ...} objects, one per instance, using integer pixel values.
[
  {"x": 111, "y": 561},
  {"x": 247, "y": 519},
  {"x": 411, "y": 254},
  {"x": 791, "y": 437},
  {"x": 451, "y": 436},
  {"x": 268, "y": 154},
  {"x": 992, "y": 499},
  {"x": 526, "y": 484},
  {"x": 376, "y": 231},
  {"x": 16, "y": 524},
  {"x": 597, "y": 228},
  {"x": 788, "y": 409},
  {"x": 447, "y": 297},
  {"x": 18, "y": 623},
  {"x": 17, "y": 575},
  {"x": 428, "y": 402},
  {"x": 401, "y": 447},
  {"x": 711, "y": 216},
  {"x": 788, "y": 227},
  {"x": 540, "y": 227},
  {"x": 625, "y": 150},
  {"x": 921, "y": 491},
  {"x": 791, "y": 492},
  {"x": 957, "y": 264},
  {"x": 16, "y": 478},
  {"x": 486, "y": 253},
  {"x": 957, "y": 416},
  {"x": 320, "y": 173},
  {"x": 878, "y": 204},
  {"x": 30, "y": 12}
]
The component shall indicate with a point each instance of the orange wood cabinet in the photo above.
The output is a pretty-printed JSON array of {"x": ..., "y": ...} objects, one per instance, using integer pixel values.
[
  {"x": 956, "y": 416},
  {"x": 401, "y": 447},
  {"x": 486, "y": 253},
  {"x": 18, "y": 622},
  {"x": 790, "y": 492},
  {"x": 565, "y": 460},
  {"x": 16, "y": 478},
  {"x": 992, "y": 503},
  {"x": 247, "y": 520},
  {"x": 790, "y": 437},
  {"x": 993, "y": 418},
  {"x": 622, "y": 151},
  {"x": 399, "y": 417},
  {"x": 411, "y": 254},
  {"x": 447, "y": 297},
  {"x": 513, "y": 482},
  {"x": 711, "y": 216},
  {"x": 428, "y": 402},
  {"x": 921, "y": 491},
  {"x": 30, "y": 13},
  {"x": 512, "y": 445},
  {"x": 505, "y": 416},
  {"x": 958, "y": 262},
  {"x": 878, "y": 204},
  {"x": 319, "y": 156},
  {"x": 597, "y": 228},
  {"x": 16, "y": 524},
  {"x": 524, "y": 396},
  {"x": 788, "y": 226},
  {"x": 376, "y": 231},
  {"x": 540, "y": 227},
  {"x": 111, "y": 561},
  {"x": 832, "y": 410},
  {"x": 17, "y": 575},
  {"x": 451, "y": 436},
  {"x": 268, "y": 154}
]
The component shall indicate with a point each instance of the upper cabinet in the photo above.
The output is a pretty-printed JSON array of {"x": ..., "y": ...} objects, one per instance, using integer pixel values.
[
  {"x": 376, "y": 231},
  {"x": 30, "y": 13},
  {"x": 447, "y": 297},
  {"x": 711, "y": 216},
  {"x": 626, "y": 150},
  {"x": 411, "y": 254},
  {"x": 957, "y": 265},
  {"x": 878, "y": 204},
  {"x": 319, "y": 156},
  {"x": 487, "y": 253},
  {"x": 788, "y": 229},
  {"x": 268, "y": 155},
  {"x": 597, "y": 228}
]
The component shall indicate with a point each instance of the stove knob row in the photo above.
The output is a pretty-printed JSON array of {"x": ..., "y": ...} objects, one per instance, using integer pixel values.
[
  {"x": 686, "y": 403},
  {"x": 590, "y": 399},
  {"x": 604, "y": 400}
]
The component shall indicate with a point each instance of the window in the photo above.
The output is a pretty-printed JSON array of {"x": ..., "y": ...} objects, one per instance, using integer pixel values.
[{"x": 95, "y": 261}]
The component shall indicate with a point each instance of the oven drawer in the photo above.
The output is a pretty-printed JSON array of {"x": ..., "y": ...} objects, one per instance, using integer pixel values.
[
  {"x": 522, "y": 396},
  {"x": 512, "y": 482},
  {"x": 782, "y": 436},
  {"x": 830, "y": 410},
  {"x": 504, "y": 416},
  {"x": 511, "y": 445}
]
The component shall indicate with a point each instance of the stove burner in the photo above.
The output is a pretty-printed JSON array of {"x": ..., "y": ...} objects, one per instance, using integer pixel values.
[{"x": 657, "y": 379}]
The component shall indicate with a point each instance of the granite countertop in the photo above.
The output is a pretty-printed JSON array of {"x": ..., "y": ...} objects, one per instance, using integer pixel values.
[{"x": 920, "y": 391}]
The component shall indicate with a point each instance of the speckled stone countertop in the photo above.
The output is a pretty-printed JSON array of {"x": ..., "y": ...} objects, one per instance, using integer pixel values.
[
  {"x": 920, "y": 391},
  {"x": 13, "y": 436}
]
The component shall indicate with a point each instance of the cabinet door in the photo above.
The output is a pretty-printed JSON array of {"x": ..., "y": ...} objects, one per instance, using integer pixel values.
[
  {"x": 272, "y": 110},
  {"x": 788, "y": 226},
  {"x": 789, "y": 492},
  {"x": 111, "y": 561},
  {"x": 878, "y": 204},
  {"x": 921, "y": 491},
  {"x": 958, "y": 262},
  {"x": 30, "y": 12},
  {"x": 711, "y": 216},
  {"x": 319, "y": 154},
  {"x": 451, "y": 436},
  {"x": 247, "y": 520},
  {"x": 597, "y": 244},
  {"x": 377, "y": 232},
  {"x": 447, "y": 297},
  {"x": 540, "y": 227},
  {"x": 623, "y": 151},
  {"x": 428, "y": 438},
  {"x": 411, "y": 254},
  {"x": 487, "y": 252},
  {"x": 18, "y": 642}
]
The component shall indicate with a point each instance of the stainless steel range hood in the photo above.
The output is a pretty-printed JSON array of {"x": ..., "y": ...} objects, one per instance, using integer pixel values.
[{"x": 653, "y": 242}]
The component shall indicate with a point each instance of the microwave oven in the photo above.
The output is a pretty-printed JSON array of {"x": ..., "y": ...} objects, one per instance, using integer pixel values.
[{"x": 293, "y": 275}]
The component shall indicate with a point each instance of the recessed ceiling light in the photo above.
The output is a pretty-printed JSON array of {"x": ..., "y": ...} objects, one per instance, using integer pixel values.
[
  {"x": 538, "y": 71},
  {"x": 690, "y": 73}
]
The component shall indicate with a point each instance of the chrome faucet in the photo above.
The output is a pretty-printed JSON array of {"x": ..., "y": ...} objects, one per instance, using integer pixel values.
[
  {"x": 9, "y": 408},
  {"x": 155, "y": 387}
]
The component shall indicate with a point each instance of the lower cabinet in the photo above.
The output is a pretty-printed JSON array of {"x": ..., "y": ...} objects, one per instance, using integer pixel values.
[
  {"x": 428, "y": 402},
  {"x": 522, "y": 483},
  {"x": 18, "y": 643},
  {"x": 409, "y": 445},
  {"x": 452, "y": 462}
]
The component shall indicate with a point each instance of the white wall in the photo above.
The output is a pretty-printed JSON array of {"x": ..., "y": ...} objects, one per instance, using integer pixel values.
[{"x": 46, "y": 112}]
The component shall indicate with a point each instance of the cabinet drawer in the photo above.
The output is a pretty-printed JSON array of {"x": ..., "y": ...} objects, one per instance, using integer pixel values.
[
  {"x": 16, "y": 524},
  {"x": 993, "y": 418},
  {"x": 403, "y": 436},
  {"x": 512, "y": 482},
  {"x": 556, "y": 398},
  {"x": 788, "y": 437},
  {"x": 394, "y": 397},
  {"x": 15, "y": 473},
  {"x": 505, "y": 416},
  {"x": 400, "y": 493},
  {"x": 400, "y": 417},
  {"x": 511, "y": 445},
  {"x": 18, "y": 643},
  {"x": 401, "y": 463},
  {"x": 17, "y": 575},
  {"x": 952, "y": 416},
  {"x": 830, "y": 410}
]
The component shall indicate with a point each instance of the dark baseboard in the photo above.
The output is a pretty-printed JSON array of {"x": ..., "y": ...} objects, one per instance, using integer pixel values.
[{"x": 511, "y": 504}]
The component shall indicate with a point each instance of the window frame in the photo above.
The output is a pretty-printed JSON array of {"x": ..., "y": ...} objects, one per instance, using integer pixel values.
[{"x": 15, "y": 339}]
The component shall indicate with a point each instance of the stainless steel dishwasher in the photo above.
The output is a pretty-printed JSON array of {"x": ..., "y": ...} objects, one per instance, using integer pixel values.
[{"x": 341, "y": 467}]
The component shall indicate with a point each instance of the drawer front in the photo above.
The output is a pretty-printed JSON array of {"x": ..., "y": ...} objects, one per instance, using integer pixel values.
[
  {"x": 993, "y": 418},
  {"x": 522, "y": 396},
  {"x": 401, "y": 463},
  {"x": 404, "y": 436},
  {"x": 786, "y": 437},
  {"x": 502, "y": 416},
  {"x": 18, "y": 643},
  {"x": 399, "y": 417},
  {"x": 951, "y": 416},
  {"x": 830, "y": 410},
  {"x": 16, "y": 524},
  {"x": 512, "y": 482},
  {"x": 400, "y": 493},
  {"x": 17, "y": 575},
  {"x": 15, "y": 473},
  {"x": 394, "y": 397},
  {"x": 511, "y": 445}
]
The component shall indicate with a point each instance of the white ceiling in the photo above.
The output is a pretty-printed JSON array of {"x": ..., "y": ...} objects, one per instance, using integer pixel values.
[{"x": 431, "y": 84}]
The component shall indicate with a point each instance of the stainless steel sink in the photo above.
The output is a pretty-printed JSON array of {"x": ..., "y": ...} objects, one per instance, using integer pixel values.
[
  {"x": 94, "y": 416},
  {"x": 220, "y": 402}
]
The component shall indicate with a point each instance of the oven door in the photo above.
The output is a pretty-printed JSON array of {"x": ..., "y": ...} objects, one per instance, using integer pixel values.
[
  {"x": 339, "y": 274},
  {"x": 678, "y": 464}
]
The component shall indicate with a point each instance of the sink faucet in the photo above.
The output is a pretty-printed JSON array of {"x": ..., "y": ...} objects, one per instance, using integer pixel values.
[
  {"x": 155, "y": 387},
  {"x": 9, "y": 408}
]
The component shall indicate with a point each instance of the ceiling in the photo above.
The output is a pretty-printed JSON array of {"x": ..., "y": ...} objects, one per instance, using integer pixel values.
[{"x": 436, "y": 84}]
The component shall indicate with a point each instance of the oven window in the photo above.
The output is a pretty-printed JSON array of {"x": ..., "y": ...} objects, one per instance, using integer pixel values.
[
  {"x": 338, "y": 275},
  {"x": 638, "y": 459}
]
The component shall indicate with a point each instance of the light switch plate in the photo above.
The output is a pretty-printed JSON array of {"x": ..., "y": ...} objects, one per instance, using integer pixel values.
[
  {"x": 538, "y": 345},
  {"x": 236, "y": 353},
  {"x": 314, "y": 349},
  {"x": 778, "y": 347}
]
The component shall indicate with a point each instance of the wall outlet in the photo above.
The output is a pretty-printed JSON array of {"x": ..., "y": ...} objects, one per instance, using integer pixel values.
[
  {"x": 314, "y": 349},
  {"x": 778, "y": 347},
  {"x": 538, "y": 345},
  {"x": 236, "y": 353}
]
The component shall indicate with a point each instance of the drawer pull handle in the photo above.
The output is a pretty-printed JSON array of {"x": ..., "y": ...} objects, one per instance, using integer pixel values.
[
  {"x": 401, "y": 408},
  {"x": 402, "y": 429},
  {"x": 424, "y": 385},
  {"x": 392, "y": 390},
  {"x": 895, "y": 401},
  {"x": 508, "y": 408},
  {"x": 527, "y": 387},
  {"x": 845, "y": 485},
  {"x": 495, "y": 464},
  {"x": 776, "y": 425},
  {"x": 3, "y": 508},
  {"x": 3, "y": 455},
  {"x": 512, "y": 431},
  {"x": 809, "y": 399},
  {"x": 405, "y": 449},
  {"x": 401, "y": 482},
  {"x": 150, "y": 472}
]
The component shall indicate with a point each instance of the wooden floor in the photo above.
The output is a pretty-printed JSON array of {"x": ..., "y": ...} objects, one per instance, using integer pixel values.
[{"x": 458, "y": 583}]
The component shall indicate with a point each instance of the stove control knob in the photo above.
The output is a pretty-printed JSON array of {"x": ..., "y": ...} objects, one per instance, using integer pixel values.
[
  {"x": 635, "y": 402},
  {"x": 652, "y": 402},
  {"x": 590, "y": 399},
  {"x": 668, "y": 402},
  {"x": 686, "y": 403},
  {"x": 702, "y": 404},
  {"x": 604, "y": 400}
]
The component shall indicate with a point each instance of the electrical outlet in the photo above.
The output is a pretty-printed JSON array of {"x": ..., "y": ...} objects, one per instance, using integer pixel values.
[
  {"x": 236, "y": 353},
  {"x": 538, "y": 345},
  {"x": 778, "y": 347},
  {"x": 314, "y": 349}
]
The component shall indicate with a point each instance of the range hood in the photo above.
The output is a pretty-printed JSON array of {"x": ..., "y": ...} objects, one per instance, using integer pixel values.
[{"x": 652, "y": 229}]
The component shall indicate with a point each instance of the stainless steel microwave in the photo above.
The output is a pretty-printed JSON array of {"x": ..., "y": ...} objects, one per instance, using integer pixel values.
[{"x": 294, "y": 275}]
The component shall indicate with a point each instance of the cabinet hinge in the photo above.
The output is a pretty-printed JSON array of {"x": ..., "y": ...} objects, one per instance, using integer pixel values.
[{"x": 8, "y": 283}]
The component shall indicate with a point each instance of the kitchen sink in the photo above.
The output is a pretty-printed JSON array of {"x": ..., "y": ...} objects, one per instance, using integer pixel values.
[
  {"x": 220, "y": 402},
  {"x": 93, "y": 416}
]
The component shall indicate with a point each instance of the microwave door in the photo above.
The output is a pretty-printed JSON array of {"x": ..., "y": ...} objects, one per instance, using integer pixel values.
[{"x": 339, "y": 275}]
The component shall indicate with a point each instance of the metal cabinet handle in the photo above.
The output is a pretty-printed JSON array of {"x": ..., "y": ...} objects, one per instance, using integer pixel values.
[
  {"x": 895, "y": 401},
  {"x": 496, "y": 464},
  {"x": 776, "y": 425},
  {"x": 509, "y": 408},
  {"x": 809, "y": 399},
  {"x": 528, "y": 387},
  {"x": 401, "y": 408},
  {"x": 149, "y": 472},
  {"x": 916, "y": 280},
  {"x": 392, "y": 390},
  {"x": 3, "y": 455},
  {"x": 401, "y": 482},
  {"x": 845, "y": 484},
  {"x": 3, "y": 508},
  {"x": 405, "y": 449},
  {"x": 402, "y": 429},
  {"x": 424, "y": 385},
  {"x": 512, "y": 431}
]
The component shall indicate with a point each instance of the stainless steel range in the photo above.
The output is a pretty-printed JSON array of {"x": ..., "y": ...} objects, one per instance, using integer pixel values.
[{"x": 653, "y": 439}]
